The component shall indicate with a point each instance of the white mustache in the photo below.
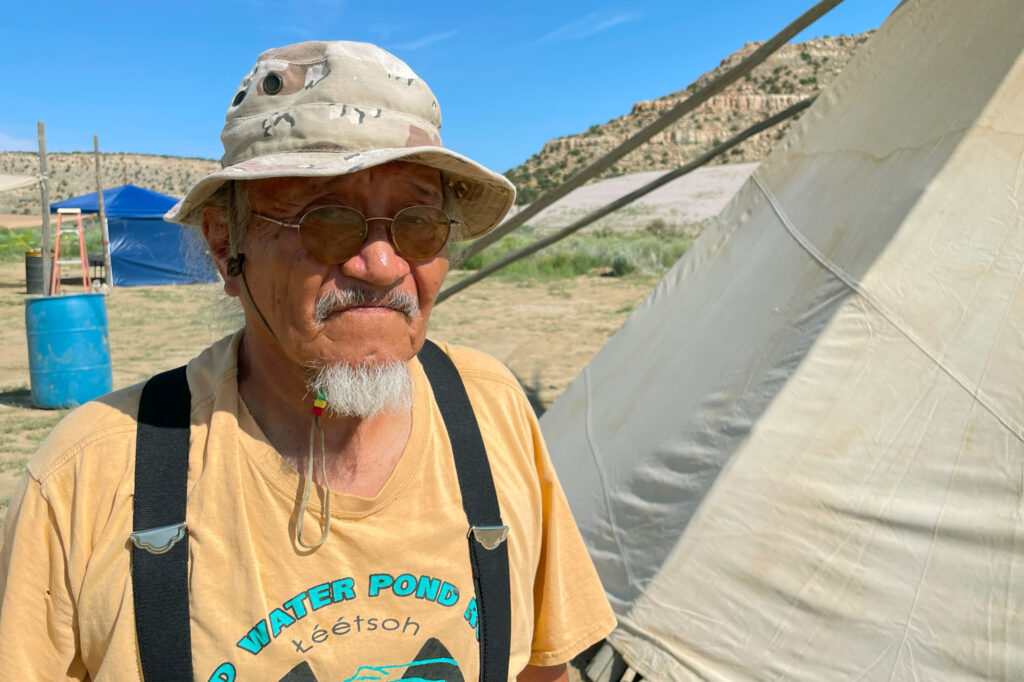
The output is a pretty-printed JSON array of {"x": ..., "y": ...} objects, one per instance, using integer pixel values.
[{"x": 336, "y": 300}]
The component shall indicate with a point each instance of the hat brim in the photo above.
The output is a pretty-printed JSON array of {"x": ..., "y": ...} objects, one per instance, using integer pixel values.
[{"x": 484, "y": 197}]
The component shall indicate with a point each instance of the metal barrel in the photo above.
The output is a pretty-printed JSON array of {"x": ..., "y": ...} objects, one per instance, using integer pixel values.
[
  {"x": 68, "y": 349},
  {"x": 34, "y": 272}
]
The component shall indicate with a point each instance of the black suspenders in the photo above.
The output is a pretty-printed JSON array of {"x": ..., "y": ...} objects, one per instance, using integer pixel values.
[
  {"x": 488, "y": 551},
  {"x": 160, "y": 542}
]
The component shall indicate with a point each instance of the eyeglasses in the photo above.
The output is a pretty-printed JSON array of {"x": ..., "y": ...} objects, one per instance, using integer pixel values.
[{"x": 333, "y": 234}]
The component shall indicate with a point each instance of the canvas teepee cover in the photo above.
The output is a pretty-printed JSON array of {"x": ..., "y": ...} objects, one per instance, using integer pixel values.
[
  {"x": 801, "y": 458},
  {"x": 13, "y": 182}
]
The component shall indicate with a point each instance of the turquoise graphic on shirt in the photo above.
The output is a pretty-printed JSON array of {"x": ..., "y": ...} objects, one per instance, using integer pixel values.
[{"x": 433, "y": 663}]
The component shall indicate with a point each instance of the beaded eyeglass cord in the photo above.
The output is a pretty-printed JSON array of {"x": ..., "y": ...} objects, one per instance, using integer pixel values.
[{"x": 319, "y": 403}]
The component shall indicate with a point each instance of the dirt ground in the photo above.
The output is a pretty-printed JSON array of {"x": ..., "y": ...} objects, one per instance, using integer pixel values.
[{"x": 544, "y": 331}]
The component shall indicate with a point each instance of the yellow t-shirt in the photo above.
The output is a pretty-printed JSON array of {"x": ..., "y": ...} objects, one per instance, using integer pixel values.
[{"x": 391, "y": 587}]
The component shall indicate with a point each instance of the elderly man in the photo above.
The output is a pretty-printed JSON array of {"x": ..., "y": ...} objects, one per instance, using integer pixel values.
[{"x": 326, "y": 494}]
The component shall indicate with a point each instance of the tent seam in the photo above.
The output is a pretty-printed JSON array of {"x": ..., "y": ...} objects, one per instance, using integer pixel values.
[
  {"x": 592, "y": 446},
  {"x": 895, "y": 320}
]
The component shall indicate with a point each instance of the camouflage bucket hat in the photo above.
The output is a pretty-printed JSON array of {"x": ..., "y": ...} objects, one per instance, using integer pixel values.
[{"x": 328, "y": 108}]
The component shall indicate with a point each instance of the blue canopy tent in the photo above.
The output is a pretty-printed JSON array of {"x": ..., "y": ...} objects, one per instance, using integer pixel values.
[{"x": 144, "y": 249}]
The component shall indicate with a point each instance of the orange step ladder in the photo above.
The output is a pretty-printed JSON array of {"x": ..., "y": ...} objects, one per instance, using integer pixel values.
[{"x": 83, "y": 256}]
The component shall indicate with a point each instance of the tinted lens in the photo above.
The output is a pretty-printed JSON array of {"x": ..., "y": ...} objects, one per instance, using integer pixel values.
[
  {"x": 332, "y": 234},
  {"x": 420, "y": 232}
]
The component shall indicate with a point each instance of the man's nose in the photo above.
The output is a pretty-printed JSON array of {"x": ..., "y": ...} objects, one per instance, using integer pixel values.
[{"x": 377, "y": 262}]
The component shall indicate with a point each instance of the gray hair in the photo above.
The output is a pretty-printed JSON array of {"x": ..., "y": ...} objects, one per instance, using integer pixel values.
[
  {"x": 359, "y": 294},
  {"x": 233, "y": 200}
]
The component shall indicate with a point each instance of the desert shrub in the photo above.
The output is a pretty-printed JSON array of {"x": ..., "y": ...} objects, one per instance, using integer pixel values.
[
  {"x": 525, "y": 195},
  {"x": 658, "y": 227},
  {"x": 653, "y": 255},
  {"x": 621, "y": 265},
  {"x": 605, "y": 250}
]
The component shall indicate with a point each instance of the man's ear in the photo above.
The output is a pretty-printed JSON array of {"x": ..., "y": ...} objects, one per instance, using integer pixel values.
[{"x": 218, "y": 238}]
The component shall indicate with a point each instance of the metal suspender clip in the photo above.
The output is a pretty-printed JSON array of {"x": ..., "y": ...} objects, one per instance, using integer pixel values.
[
  {"x": 489, "y": 536},
  {"x": 159, "y": 540}
]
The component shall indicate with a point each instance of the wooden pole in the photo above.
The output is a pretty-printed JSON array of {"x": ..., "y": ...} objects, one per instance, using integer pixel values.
[
  {"x": 624, "y": 200},
  {"x": 44, "y": 190},
  {"x": 668, "y": 118},
  {"x": 109, "y": 274}
]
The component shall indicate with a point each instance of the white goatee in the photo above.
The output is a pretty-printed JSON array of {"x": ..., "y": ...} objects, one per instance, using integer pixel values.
[{"x": 362, "y": 391}]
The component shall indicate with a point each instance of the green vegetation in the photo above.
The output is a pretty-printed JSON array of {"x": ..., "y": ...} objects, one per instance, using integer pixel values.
[
  {"x": 651, "y": 251},
  {"x": 801, "y": 71},
  {"x": 14, "y": 243},
  {"x": 526, "y": 195}
]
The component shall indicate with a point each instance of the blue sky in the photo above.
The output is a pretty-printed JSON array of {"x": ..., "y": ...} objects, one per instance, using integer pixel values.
[{"x": 157, "y": 77}]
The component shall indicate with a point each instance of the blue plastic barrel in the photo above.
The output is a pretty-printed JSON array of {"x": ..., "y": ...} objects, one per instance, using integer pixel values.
[{"x": 68, "y": 349}]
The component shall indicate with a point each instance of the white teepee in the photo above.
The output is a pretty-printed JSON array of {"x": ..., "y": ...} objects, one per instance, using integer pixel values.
[
  {"x": 13, "y": 182},
  {"x": 802, "y": 457}
]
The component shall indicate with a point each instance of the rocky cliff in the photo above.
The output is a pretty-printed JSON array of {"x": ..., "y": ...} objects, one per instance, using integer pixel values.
[
  {"x": 793, "y": 73},
  {"x": 74, "y": 174}
]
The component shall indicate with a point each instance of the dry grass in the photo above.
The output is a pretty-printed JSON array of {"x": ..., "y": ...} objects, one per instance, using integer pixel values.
[{"x": 544, "y": 331}]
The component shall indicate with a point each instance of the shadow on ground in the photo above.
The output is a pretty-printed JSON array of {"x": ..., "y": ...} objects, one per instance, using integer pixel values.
[{"x": 16, "y": 397}]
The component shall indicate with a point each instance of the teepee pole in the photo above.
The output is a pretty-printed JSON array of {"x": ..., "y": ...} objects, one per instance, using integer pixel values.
[
  {"x": 625, "y": 199},
  {"x": 44, "y": 190},
  {"x": 644, "y": 135}
]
